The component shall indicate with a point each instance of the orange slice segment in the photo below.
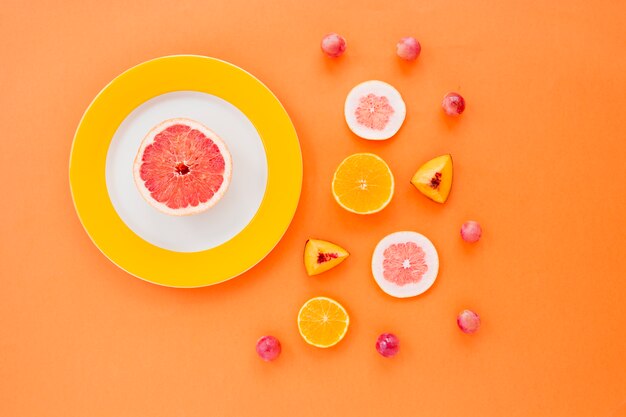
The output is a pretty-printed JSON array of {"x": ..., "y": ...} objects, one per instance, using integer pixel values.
[
  {"x": 363, "y": 183},
  {"x": 323, "y": 322}
]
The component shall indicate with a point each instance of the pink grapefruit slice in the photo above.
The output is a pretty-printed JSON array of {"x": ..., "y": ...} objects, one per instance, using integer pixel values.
[
  {"x": 405, "y": 264},
  {"x": 374, "y": 110},
  {"x": 182, "y": 167}
]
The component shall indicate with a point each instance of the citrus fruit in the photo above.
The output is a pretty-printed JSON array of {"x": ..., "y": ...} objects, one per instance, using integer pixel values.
[
  {"x": 320, "y": 256},
  {"x": 434, "y": 178},
  {"x": 405, "y": 264},
  {"x": 374, "y": 110},
  {"x": 322, "y": 322},
  {"x": 363, "y": 183},
  {"x": 182, "y": 167}
]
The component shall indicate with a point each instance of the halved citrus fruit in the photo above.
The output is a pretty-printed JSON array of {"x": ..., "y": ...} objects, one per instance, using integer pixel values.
[
  {"x": 323, "y": 322},
  {"x": 363, "y": 183},
  {"x": 405, "y": 264},
  {"x": 374, "y": 110},
  {"x": 182, "y": 167}
]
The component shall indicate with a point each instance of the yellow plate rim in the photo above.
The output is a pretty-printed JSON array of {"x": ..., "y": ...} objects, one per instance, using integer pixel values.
[{"x": 88, "y": 159}]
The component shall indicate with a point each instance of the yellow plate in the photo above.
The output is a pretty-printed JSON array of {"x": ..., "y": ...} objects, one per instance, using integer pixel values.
[{"x": 89, "y": 152}]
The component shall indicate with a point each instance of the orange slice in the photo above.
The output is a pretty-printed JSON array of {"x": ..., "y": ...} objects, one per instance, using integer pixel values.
[
  {"x": 323, "y": 322},
  {"x": 363, "y": 183}
]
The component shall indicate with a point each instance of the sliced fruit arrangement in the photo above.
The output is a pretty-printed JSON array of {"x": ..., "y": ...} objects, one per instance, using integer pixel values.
[
  {"x": 323, "y": 322},
  {"x": 363, "y": 183},
  {"x": 434, "y": 178},
  {"x": 405, "y": 264},
  {"x": 320, "y": 256},
  {"x": 374, "y": 110},
  {"x": 182, "y": 167}
]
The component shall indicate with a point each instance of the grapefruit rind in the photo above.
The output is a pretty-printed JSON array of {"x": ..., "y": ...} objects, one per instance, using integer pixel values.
[
  {"x": 410, "y": 289},
  {"x": 190, "y": 210},
  {"x": 393, "y": 117}
]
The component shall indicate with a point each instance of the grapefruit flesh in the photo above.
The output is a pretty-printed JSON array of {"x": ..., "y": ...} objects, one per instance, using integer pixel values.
[
  {"x": 405, "y": 264},
  {"x": 182, "y": 167}
]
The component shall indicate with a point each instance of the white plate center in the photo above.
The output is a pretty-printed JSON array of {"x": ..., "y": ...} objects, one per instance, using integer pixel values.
[{"x": 230, "y": 215}]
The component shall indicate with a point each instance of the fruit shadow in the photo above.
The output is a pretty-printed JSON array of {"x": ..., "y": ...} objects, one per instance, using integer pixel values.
[
  {"x": 371, "y": 146},
  {"x": 469, "y": 249},
  {"x": 333, "y": 65},
  {"x": 451, "y": 122},
  {"x": 407, "y": 67}
]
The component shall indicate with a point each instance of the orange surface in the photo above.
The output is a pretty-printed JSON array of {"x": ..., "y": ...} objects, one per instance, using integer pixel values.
[{"x": 539, "y": 161}]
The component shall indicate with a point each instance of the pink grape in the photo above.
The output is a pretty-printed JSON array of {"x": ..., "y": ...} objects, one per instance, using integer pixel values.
[
  {"x": 268, "y": 348},
  {"x": 408, "y": 48},
  {"x": 453, "y": 104},
  {"x": 388, "y": 345},
  {"x": 471, "y": 231},
  {"x": 333, "y": 45},
  {"x": 468, "y": 321}
]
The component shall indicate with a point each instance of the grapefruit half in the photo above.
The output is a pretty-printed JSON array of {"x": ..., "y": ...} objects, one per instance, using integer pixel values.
[{"x": 182, "y": 167}]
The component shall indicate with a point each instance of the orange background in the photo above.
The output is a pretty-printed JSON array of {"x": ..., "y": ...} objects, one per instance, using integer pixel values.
[{"x": 539, "y": 161}]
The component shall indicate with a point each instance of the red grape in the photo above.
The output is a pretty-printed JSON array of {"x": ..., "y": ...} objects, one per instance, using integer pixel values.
[
  {"x": 453, "y": 104},
  {"x": 333, "y": 45},
  {"x": 468, "y": 321},
  {"x": 388, "y": 345},
  {"x": 408, "y": 48},
  {"x": 471, "y": 231},
  {"x": 268, "y": 348}
]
